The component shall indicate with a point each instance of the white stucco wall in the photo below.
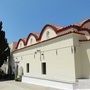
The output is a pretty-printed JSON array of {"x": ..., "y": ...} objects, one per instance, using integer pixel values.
[
  {"x": 77, "y": 55},
  {"x": 85, "y": 57},
  {"x": 82, "y": 58},
  {"x": 58, "y": 55}
]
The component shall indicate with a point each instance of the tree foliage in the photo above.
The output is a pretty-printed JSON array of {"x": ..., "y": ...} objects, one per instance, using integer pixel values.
[{"x": 4, "y": 48}]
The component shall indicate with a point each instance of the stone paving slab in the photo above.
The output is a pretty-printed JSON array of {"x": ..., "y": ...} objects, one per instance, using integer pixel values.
[{"x": 13, "y": 85}]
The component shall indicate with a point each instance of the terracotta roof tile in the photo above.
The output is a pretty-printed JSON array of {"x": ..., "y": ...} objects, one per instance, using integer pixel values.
[
  {"x": 58, "y": 29},
  {"x": 24, "y": 39},
  {"x": 36, "y": 33},
  {"x": 57, "y": 26}
]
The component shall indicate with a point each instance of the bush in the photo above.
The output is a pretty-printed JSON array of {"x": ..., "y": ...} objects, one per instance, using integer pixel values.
[{"x": 2, "y": 74}]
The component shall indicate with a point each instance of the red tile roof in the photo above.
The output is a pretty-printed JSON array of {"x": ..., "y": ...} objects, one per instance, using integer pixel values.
[{"x": 57, "y": 29}]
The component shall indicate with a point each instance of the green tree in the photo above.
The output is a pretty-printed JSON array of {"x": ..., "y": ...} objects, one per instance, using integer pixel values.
[{"x": 4, "y": 47}]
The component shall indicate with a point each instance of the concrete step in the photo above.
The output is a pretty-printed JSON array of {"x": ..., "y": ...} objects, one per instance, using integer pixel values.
[{"x": 82, "y": 84}]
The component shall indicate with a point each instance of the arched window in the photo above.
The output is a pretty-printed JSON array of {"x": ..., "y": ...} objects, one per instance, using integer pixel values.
[
  {"x": 47, "y": 34},
  {"x": 31, "y": 41},
  {"x": 20, "y": 44}
]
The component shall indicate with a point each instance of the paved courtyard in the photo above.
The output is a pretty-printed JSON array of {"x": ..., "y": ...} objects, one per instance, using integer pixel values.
[{"x": 12, "y": 85}]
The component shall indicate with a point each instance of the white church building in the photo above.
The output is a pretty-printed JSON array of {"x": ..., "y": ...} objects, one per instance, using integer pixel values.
[{"x": 56, "y": 57}]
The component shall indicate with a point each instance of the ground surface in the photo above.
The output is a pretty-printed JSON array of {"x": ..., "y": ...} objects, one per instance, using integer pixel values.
[{"x": 12, "y": 85}]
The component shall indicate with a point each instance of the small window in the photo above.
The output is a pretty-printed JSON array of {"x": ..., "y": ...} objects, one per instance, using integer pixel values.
[
  {"x": 44, "y": 68},
  {"x": 20, "y": 44},
  {"x": 27, "y": 66},
  {"x": 31, "y": 41},
  {"x": 47, "y": 34}
]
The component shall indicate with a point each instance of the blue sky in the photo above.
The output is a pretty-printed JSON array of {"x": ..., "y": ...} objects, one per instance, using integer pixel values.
[{"x": 20, "y": 17}]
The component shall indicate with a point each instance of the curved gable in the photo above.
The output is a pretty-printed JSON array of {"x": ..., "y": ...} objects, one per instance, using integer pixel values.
[
  {"x": 31, "y": 39},
  {"x": 20, "y": 44},
  {"x": 87, "y": 35},
  {"x": 86, "y": 24},
  {"x": 48, "y": 32}
]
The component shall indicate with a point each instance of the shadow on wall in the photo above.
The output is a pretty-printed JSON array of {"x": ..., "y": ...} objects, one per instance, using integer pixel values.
[
  {"x": 12, "y": 63},
  {"x": 86, "y": 60}
]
